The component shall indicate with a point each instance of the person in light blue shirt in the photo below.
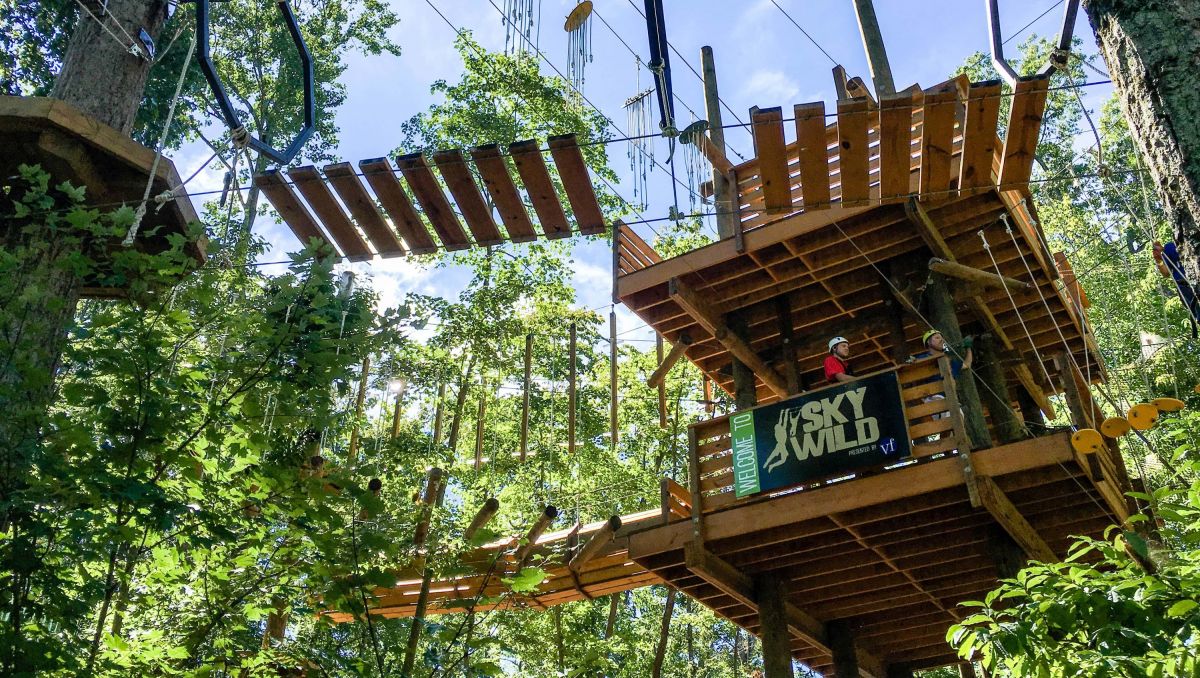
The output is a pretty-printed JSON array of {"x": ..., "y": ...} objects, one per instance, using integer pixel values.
[{"x": 1171, "y": 266}]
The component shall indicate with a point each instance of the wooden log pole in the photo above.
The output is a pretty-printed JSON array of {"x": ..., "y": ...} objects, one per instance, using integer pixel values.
[
  {"x": 877, "y": 59},
  {"x": 613, "y": 381},
  {"x": 571, "y": 395},
  {"x": 944, "y": 317},
  {"x": 770, "y": 591},
  {"x": 480, "y": 425},
  {"x": 427, "y": 498},
  {"x": 724, "y": 191},
  {"x": 482, "y": 517},
  {"x": 995, "y": 392},
  {"x": 539, "y": 526},
  {"x": 396, "y": 415},
  {"x": 841, "y": 642},
  {"x": 791, "y": 366},
  {"x": 596, "y": 543},
  {"x": 526, "y": 384},
  {"x": 359, "y": 400},
  {"x": 459, "y": 403},
  {"x": 662, "y": 386},
  {"x": 658, "y": 377},
  {"x": 976, "y": 276},
  {"x": 611, "y": 624},
  {"x": 745, "y": 393},
  {"x": 430, "y": 495}
]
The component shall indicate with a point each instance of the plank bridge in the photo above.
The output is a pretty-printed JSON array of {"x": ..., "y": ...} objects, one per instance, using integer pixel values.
[{"x": 890, "y": 218}]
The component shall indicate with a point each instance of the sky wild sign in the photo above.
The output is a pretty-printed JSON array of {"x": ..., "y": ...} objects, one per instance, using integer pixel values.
[{"x": 823, "y": 433}]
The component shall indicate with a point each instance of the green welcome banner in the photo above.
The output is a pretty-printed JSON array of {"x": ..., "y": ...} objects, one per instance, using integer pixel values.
[{"x": 820, "y": 434}]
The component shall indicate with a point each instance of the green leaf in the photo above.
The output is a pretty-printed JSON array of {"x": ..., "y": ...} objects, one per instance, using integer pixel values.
[
  {"x": 527, "y": 580},
  {"x": 1181, "y": 608}
]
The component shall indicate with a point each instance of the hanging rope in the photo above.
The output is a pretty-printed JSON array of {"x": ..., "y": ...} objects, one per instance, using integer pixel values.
[{"x": 166, "y": 196}]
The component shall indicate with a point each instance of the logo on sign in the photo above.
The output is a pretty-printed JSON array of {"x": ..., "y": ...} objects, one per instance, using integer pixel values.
[{"x": 822, "y": 427}]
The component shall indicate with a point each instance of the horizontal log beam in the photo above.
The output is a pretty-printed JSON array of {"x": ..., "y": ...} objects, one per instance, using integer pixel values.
[
  {"x": 976, "y": 276},
  {"x": 668, "y": 362},
  {"x": 702, "y": 313}
]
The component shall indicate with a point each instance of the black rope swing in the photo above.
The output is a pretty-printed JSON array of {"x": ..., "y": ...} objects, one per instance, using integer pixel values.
[{"x": 240, "y": 135}]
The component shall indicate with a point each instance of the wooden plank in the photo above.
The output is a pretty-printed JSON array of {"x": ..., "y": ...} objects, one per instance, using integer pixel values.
[
  {"x": 457, "y": 175},
  {"x": 433, "y": 201},
  {"x": 378, "y": 173},
  {"x": 937, "y": 141},
  {"x": 290, "y": 209},
  {"x": 767, "y": 126},
  {"x": 531, "y": 166},
  {"x": 895, "y": 147},
  {"x": 1002, "y": 509},
  {"x": 572, "y": 170},
  {"x": 362, "y": 207},
  {"x": 979, "y": 137},
  {"x": 310, "y": 184},
  {"x": 853, "y": 151},
  {"x": 813, "y": 154},
  {"x": 691, "y": 302},
  {"x": 1024, "y": 128},
  {"x": 500, "y": 186}
]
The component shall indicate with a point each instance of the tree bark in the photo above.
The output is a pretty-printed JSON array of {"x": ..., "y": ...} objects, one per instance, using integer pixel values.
[
  {"x": 1152, "y": 48},
  {"x": 99, "y": 75}
]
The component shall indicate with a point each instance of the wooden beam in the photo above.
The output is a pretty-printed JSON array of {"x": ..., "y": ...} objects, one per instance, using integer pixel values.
[
  {"x": 739, "y": 586},
  {"x": 482, "y": 517},
  {"x": 724, "y": 181},
  {"x": 771, "y": 589},
  {"x": 686, "y": 297},
  {"x": 577, "y": 183},
  {"x": 998, "y": 504},
  {"x": 599, "y": 539},
  {"x": 379, "y": 174},
  {"x": 362, "y": 207},
  {"x": 468, "y": 197},
  {"x": 531, "y": 166},
  {"x": 977, "y": 276},
  {"x": 539, "y": 526},
  {"x": 662, "y": 387},
  {"x": 767, "y": 127}
]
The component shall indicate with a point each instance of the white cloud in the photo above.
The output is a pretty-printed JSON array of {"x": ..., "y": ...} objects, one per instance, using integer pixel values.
[{"x": 770, "y": 88}]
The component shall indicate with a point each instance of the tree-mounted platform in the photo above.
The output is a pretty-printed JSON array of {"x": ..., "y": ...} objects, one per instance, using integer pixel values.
[
  {"x": 406, "y": 211},
  {"x": 114, "y": 168}
]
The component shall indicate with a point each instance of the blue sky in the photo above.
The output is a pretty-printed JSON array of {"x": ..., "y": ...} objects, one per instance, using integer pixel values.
[{"x": 761, "y": 59}]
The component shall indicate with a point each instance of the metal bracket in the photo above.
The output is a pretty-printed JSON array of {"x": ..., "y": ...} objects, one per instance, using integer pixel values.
[
  {"x": 230, "y": 115},
  {"x": 1058, "y": 58}
]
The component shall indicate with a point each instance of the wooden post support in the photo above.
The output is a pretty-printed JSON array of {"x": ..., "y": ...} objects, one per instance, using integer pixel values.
[
  {"x": 437, "y": 415},
  {"x": 571, "y": 375},
  {"x": 791, "y": 366},
  {"x": 526, "y": 383},
  {"x": 662, "y": 386},
  {"x": 1080, "y": 414},
  {"x": 694, "y": 486},
  {"x": 1002, "y": 509},
  {"x": 613, "y": 423},
  {"x": 723, "y": 192},
  {"x": 745, "y": 391},
  {"x": 945, "y": 320},
  {"x": 602, "y": 537},
  {"x": 976, "y": 276},
  {"x": 483, "y": 517},
  {"x": 1031, "y": 412},
  {"x": 877, "y": 60},
  {"x": 995, "y": 392},
  {"x": 480, "y": 420},
  {"x": 950, "y": 391},
  {"x": 709, "y": 405},
  {"x": 841, "y": 642},
  {"x": 658, "y": 377},
  {"x": 770, "y": 591},
  {"x": 611, "y": 624},
  {"x": 361, "y": 398},
  {"x": 433, "y": 483},
  {"x": 539, "y": 526}
]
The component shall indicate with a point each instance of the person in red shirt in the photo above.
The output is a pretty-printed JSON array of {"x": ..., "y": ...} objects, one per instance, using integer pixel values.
[{"x": 837, "y": 363}]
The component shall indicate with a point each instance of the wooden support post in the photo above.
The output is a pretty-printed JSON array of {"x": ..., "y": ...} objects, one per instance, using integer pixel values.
[
  {"x": 539, "y": 526},
  {"x": 877, "y": 60},
  {"x": 841, "y": 642},
  {"x": 482, "y": 518},
  {"x": 840, "y": 78},
  {"x": 613, "y": 423},
  {"x": 791, "y": 366},
  {"x": 396, "y": 415},
  {"x": 1031, "y": 412},
  {"x": 361, "y": 398},
  {"x": 966, "y": 670},
  {"x": 724, "y": 193},
  {"x": 571, "y": 375},
  {"x": 710, "y": 405},
  {"x": 1002, "y": 509},
  {"x": 945, "y": 319},
  {"x": 745, "y": 392},
  {"x": 995, "y": 391},
  {"x": 658, "y": 377},
  {"x": 526, "y": 384},
  {"x": 694, "y": 486},
  {"x": 976, "y": 276},
  {"x": 960, "y": 430},
  {"x": 437, "y": 415},
  {"x": 431, "y": 494},
  {"x": 1080, "y": 414},
  {"x": 602, "y": 537},
  {"x": 662, "y": 386},
  {"x": 770, "y": 592},
  {"x": 480, "y": 420},
  {"x": 611, "y": 624}
]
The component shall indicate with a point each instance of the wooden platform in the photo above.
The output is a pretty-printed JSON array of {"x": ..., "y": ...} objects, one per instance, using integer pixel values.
[
  {"x": 114, "y": 168},
  {"x": 378, "y": 209},
  {"x": 891, "y": 555}
]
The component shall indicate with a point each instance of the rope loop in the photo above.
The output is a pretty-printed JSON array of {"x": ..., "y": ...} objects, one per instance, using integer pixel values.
[
  {"x": 983, "y": 237},
  {"x": 240, "y": 137},
  {"x": 1007, "y": 226}
]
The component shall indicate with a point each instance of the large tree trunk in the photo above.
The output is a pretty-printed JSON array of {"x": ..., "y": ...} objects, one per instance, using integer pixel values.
[{"x": 1152, "y": 48}]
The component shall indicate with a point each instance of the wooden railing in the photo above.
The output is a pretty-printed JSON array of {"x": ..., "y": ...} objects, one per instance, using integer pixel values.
[{"x": 935, "y": 425}]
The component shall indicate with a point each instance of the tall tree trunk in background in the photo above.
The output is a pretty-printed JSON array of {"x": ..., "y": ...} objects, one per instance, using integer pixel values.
[
  {"x": 39, "y": 296},
  {"x": 1152, "y": 48}
]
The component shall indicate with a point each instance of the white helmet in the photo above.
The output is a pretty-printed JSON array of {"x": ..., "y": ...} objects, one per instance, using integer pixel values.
[{"x": 835, "y": 341}]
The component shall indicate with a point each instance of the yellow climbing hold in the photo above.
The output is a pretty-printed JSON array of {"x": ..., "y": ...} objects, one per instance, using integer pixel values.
[
  {"x": 1142, "y": 416},
  {"x": 1087, "y": 440},
  {"x": 1167, "y": 404},
  {"x": 1114, "y": 427}
]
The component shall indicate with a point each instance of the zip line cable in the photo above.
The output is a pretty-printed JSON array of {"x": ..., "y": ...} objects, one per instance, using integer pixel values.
[{"x": 806, "y": 34}]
